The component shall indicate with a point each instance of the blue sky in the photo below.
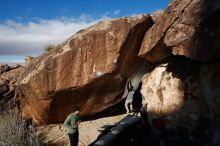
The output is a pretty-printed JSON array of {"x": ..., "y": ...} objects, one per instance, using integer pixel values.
[{"x": 27, "y": 26}]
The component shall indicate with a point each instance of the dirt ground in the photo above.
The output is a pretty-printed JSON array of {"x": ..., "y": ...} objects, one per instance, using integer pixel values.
[{"x": 56, "y": 134}]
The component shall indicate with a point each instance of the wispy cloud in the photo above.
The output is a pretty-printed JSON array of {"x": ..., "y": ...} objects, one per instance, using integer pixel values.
[{"x": 30, "y": 38}]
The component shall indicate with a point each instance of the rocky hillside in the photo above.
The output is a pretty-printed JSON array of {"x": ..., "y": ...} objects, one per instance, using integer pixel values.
[
  {"x": 177, "y": 50},
  {"x": 8, "y": 82}
]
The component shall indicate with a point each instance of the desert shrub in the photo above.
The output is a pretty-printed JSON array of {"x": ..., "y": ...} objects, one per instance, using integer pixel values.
[
  {"x": 15, "y": 131},
  {"x": 48, "y": 48}
]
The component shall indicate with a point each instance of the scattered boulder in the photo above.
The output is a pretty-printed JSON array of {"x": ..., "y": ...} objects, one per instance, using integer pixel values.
[
  {"x": 3, "y": 87},
  {"x": 4, "y": 68},
  {"x": 8, "y": 83},
  {"x": 28, "y": 60},
  {"x": 13, "y": 73}
]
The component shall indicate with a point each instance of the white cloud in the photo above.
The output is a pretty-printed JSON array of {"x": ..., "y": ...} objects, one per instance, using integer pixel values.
[{"x": 30, "y": 38}]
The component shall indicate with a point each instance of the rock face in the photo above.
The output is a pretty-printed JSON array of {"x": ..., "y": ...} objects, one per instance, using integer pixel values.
[
  {"x": 8, "y": 82},
  {"x": 28, "y": 59},
  {"x": 12, "y": 73},
  {"x": 3, "y": 87},
  {"x": 187, "y": 27},
  {"x": 4, "y": 68},
  {"x": 184, "y": 91},
  {"x": 89, "y": 70},
  {"x": 184, "y": 45},
  {"x": 164, "y": 93}
]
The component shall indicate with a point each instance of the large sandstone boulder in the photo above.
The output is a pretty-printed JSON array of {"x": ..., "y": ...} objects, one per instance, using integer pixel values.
[
  {"x": 184, "y": 92},
  {"x": 186, "y": 27},
  {"x": 89, "y": 70}
]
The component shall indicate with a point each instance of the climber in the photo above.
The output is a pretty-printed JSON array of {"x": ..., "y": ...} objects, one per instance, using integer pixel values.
[
  {"x": 71, "y": 123},
  {"x": 129, "y": 99},
  {"x": 137, "y": 100}
]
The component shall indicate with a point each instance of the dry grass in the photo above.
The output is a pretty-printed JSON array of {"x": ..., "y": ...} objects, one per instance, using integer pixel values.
[{"x": 14, "y": 131}]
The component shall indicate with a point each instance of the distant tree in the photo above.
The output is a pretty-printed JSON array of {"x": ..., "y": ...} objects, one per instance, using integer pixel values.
[{"x": 48, "y": 48}]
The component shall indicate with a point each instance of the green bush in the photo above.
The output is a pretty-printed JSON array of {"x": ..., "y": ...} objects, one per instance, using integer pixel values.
[
  {"x": 14, "y": 131},
  {"x": 49, "y": 48}
]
